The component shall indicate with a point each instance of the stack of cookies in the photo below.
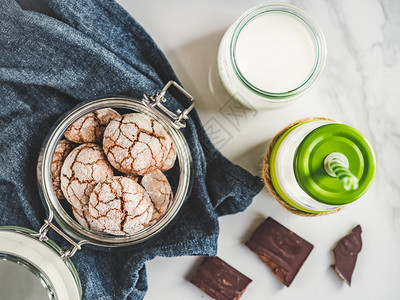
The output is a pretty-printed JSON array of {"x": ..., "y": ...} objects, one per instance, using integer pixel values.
[{"x": 110, "y": 169}]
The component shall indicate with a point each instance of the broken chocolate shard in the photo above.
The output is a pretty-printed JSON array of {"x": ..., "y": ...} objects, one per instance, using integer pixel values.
[
  {"x": 220, "y": 280},
  {"x": 283, "y": 251},
  {"x": 346, "y": 252}
]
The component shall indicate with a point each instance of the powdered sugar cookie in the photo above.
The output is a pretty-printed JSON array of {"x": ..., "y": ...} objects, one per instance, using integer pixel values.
[
  {"x": 90, "y": 128},
  {"x": 171, "y": 157},
  {"x": 135, "y": 178},
  {"x": 83, "y": 168},
  {"x": 63, "y": 148},
  {"x": 159, "y": 190},
  {"x": 136, "y": 144},
  {"x": 119, "y": 206},
  {"x": 82, "y": 216}
]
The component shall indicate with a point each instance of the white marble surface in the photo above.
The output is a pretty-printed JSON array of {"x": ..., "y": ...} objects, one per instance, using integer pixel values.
[{"x": 360, "y": 86}]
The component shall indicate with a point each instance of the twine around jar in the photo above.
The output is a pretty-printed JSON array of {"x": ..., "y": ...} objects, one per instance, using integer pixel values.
[{"x": 267, "y": 175}]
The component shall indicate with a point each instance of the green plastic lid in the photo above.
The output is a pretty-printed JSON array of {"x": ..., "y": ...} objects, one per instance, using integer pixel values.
[{"x": 312, "y": 175}]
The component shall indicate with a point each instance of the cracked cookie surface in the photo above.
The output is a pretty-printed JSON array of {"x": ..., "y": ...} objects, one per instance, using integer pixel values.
[
  {"x": 90, "y": 128},
  {"x": 83, "y": 168},
  {"x": 119, "y": 206},
  {"x": 171, "y": 158},
  {"x": 82, "y": 216},
  {"x": 159, "y": 190},
  {"x": 63, "y": 148},
  {"x": 136, "y": 144}
]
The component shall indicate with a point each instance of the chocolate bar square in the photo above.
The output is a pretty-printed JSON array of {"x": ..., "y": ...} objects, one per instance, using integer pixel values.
[
  {"x": 346, "y": 252},
  {"x": 220, "y": 280},
  {"x": 283, "y": 251}
]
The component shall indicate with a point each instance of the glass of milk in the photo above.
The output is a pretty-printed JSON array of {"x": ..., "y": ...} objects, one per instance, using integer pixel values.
[{"x": 271, "y": 55}]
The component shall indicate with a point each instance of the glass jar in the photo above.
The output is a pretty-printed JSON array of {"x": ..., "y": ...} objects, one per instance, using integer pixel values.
[
  {"x": 171, "y": 122},
  {"x": 317, "y": 166},
  {"x": 35, "y": 267},
  {"x": 271, "y": 55},
  {"x": 41, "y": 257}
]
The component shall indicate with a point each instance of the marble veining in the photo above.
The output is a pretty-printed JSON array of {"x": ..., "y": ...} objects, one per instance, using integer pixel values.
[{"x": 360, "y": 86}]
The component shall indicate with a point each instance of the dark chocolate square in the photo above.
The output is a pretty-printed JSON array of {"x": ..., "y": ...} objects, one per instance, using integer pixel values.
[
  {"x": 346, "y": 252},
  {"x": 283, "y": 251},
  {"x": 219, "y": 280}
]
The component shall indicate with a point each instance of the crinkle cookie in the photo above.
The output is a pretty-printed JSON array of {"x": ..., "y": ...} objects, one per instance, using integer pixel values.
[
  {"x": 119, "y": 206},
  {"x": 170, "y": 161},
  {"x": 83, "y": 168},
  {"x": 63, "y": 148},
  {"x": 82, "y": 216},
  {"x": 136, "y": 144},
  {"x": 159, "y": 190},
  {"x": 90, "y": 128}
]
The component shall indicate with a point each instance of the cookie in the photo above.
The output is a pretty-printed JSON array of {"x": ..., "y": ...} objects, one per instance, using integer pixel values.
[
  {"x": 135, "y": 178},
  {"x": 170, "y": 160},
  {"x": 159, "y": 190},
  {"x": 82, "y": 216},
  {"x": 90, "y": 128},
  {"x": 136, "y": 144},
  {"x": 119, "y": 206},
  {"x": 83, "y": 168},
  {"x": 63, "y": 148}
]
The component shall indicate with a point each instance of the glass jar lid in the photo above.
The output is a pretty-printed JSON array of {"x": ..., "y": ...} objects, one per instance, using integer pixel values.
[
  {"x": 37, "y": 264},
  {"x": 356, "y": 162}
]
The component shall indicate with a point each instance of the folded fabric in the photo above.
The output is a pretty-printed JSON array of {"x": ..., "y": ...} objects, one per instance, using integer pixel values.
[{"x": 56, "y": 54}]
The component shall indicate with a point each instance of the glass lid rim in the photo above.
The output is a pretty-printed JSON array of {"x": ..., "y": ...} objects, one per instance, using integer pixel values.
[
  {"x": 48, "y": 244},
  {"x": 33, "y": 270}
]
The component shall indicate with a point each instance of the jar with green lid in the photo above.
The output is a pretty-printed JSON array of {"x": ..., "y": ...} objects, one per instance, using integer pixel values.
[{"x": 317, "y": 166}]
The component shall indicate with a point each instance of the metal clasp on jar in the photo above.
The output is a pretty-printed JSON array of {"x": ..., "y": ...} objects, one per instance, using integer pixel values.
[
  {"x": 42, "y": 236},
  {"x": 179, "y": 117}
]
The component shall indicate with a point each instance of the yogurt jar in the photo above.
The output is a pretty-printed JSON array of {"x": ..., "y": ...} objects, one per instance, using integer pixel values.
[
  {"x": 51, "y": 266},
  {"x": 317, "y": 166},
  {"x": 271, "y": 55}
]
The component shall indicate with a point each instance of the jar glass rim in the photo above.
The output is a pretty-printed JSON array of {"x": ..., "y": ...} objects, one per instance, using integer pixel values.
[
  {"x": 42, "y": 269},
  {"x": 65, "y": 220},
  {"x": 311, "y": 25}
]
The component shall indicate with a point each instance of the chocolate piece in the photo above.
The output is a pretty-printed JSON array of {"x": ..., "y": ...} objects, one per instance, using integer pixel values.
[
  {"x": 283, "y": 251},
  {"x": 346, "y": 252},
  {"x": 219, "y": 280}
]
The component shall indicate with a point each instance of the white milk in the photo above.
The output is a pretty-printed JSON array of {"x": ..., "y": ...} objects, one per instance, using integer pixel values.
[
  {"x": 275, "y": 52},
  {"x": 271, "y": 55}
]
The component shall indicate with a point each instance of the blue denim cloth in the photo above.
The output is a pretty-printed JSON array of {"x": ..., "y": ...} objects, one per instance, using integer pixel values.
[{"x": 54, "y": 55}]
